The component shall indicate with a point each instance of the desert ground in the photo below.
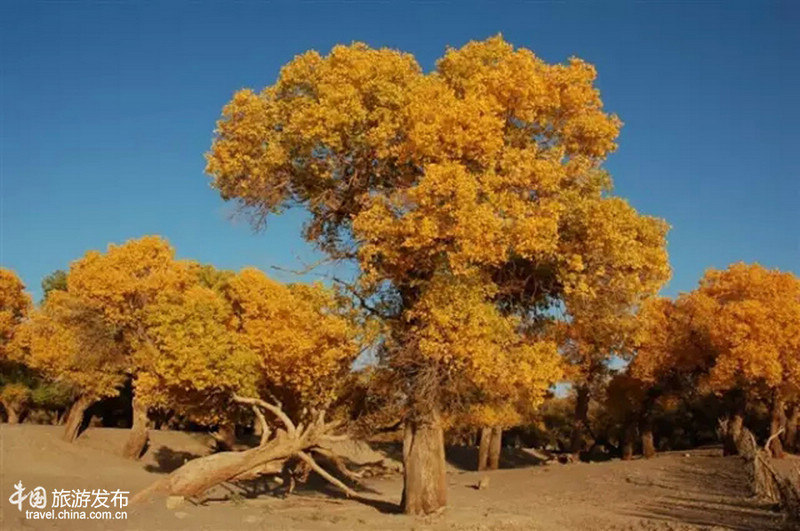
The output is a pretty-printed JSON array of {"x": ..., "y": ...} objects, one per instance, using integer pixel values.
[{"x": 698, "y": 489}]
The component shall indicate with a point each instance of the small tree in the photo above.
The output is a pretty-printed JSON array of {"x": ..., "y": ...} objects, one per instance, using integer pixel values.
[
  {"x": 756, "y": 334},
  {"x": 282, "y": 352},
  {"x": 70, "y": 344},
  {"x": 15, "y": 305}
]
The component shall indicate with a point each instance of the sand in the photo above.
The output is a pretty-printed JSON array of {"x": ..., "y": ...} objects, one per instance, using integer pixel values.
[{"x": 674, "y": 491}]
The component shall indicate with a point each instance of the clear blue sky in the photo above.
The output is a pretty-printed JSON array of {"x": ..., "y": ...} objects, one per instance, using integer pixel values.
[{"x": 108, "y": 107}]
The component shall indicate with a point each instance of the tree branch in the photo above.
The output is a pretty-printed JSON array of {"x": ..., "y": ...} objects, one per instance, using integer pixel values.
[
  {"x": 265, "y": 431},
  {"x": 771, "y": 438},
  {"x": 322, "y": 472},
  {"x": 338, "y": 463},
  {"x": 278, "y": 412}
]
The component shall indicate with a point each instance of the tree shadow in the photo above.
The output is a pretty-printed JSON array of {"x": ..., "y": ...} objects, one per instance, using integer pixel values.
[
  {"x": 466, "y": 458},
  {"x": 710, "y": 491},
  {"x": 168, "y": 460}
]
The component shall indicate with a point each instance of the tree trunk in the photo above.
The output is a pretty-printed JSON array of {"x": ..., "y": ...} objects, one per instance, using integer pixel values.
[
  {"x": 628, "y": 441},
  {"x": 199, "y": 475},
  {"x": 776, "y": 420},
  {"x": 731, "y": 442},
  {"x": 269, "y": 458},
  {"x": 483, "y": 448},
  {"x": 424, "y": 475},
  {"x": 581, "y": 420},
  {"x": 12, "y": 413},
  {"x": 74, "y": 418},
  {"x": 790, "y": 437},
  {"x": 648, "y": 447},
  {"x": 495, "y": 448},
  {"x": 137, "y": 440}
]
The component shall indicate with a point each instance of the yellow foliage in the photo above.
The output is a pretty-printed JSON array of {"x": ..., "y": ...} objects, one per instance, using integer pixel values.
[
  {"x": 15, "y": 304},
  {"x": 302, "y": 346},
  {"x": 69, "y": 343},
  {"x": 740, "y": 329},
  {"x": 435, "y": 183}
]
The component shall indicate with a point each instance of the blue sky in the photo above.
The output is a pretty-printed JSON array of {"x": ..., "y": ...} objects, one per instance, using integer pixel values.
[{"x": 106, "y": 110}]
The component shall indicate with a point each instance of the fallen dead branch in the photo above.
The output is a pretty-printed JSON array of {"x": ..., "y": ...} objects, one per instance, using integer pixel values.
[{"x": 276, "y": 449}]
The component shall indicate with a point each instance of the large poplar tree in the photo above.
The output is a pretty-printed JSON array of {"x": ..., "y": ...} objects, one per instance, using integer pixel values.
[{"x": 471, "y": 198}]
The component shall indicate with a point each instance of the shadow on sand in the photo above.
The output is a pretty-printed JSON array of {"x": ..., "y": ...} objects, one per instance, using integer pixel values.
[{"x": 718, "y": 498}]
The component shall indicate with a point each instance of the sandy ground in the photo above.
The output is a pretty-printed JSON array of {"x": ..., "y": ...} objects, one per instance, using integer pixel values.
[{"x": 675, "y": 491}]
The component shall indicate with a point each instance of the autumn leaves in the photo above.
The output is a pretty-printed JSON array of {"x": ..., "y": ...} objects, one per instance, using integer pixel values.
[
  {"x": 473, "y": 201},
  {"x": 188, "y": 336},
  {"x": 492, "y": 261}
]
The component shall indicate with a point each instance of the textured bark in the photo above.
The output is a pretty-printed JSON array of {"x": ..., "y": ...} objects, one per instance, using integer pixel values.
[
  {"x": 628, "y": 441},
  {"x": 790, "y": 436},
  {"x": 74, "y": 418},
  {"x": 648, "y": 447},
  {"x": 12, "y": 413},
  {"x": 646, "y": 429},
  {"x": 776, "y": 421},
  {"x": 731, "y": 441},
  {"x": 199, "y": 475},
  {"x": 137, "y": 439},
  {"x": 581, "y": 424},
  {"x": 495, "y": 448},
  {"x": 269, "y": 458},
  {"x": 425, "y": 480},
  {"x": 483, "y": 448}
]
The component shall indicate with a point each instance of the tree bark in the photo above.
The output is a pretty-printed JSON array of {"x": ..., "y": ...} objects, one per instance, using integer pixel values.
[
  {"x": 731, "y": 442},
  {"x": 12, "y": 413},
  {"x": 483, "y": 448},
  {"x": 495, "y": 448},
  {"x": 137, "y": 439},
  {"x": 628, "y": 441},
  {"x": 648, "y": 446},
  {"x": 74, "y": 418},
  {"x": 776, "y": 420},
  {"x": 199, "y": 475},
  {"x": 424, "y": 476},
  {"x": 790, "y": 436},
  {"x": 581, "y": 424}
]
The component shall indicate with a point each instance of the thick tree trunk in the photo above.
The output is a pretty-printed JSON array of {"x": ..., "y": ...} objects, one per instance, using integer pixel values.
[
  {"x": 495, "y": 448},
  {"x": 425, "y": 479},
  {"x": 137, "y": 439},
  {"x": 74, "y": 418},
  {"x": 581, "y": 424},
  {"x": 199, "y": 475},
  {"x": 648, "y": 446},
  {"x": 790, "y": 436},
  {"x": 483, "y": 448},
  {"x": 628, "y": 441},
  {"x": 731, "y": 441},
  {"x": 776, "y": 421},
  {"x": 12, "y": 413},
  {"x": 646, "y": 429},
  {"x": 269, "y": 458}
]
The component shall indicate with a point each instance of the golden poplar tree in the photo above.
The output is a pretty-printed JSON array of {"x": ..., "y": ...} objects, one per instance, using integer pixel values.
[
  {"x": 15, "y": 306},
  {"x": 471, "y": 198}
]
